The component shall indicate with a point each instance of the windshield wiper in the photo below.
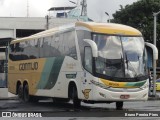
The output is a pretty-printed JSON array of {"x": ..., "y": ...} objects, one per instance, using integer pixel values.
[
  {"x": 123, "y": 65},
  {"x": 123, "y": 58},
  {"x": 126, "y": 59}
]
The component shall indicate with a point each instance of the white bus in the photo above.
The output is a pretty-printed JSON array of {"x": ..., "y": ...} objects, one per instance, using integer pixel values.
[{"x": 85, "y": 62}]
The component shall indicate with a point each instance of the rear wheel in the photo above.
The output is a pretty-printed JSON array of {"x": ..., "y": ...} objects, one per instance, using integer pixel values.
[
  {"x": 26, "y": 93},
  {"x": 27, "y": 97},
  {"x": 74, "y": 97},
  {"x": 20, "y": 93},
  {"x": 119, "y": 105}
]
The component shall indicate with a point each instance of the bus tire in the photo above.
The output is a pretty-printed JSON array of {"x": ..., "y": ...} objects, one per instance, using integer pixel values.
[
  {"x": 26, "y": 93},
  {"x": 74, "y": 97},
  {"x": 119, "y": 105},
  {"x": 20, "y": 93}
]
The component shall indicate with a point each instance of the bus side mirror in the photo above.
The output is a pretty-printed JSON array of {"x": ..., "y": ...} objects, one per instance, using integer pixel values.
[
  {"x": 154, "y": 49},
  {"x": 93, "y": 46}
]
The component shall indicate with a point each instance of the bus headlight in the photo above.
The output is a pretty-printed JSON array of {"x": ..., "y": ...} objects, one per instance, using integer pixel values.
[{"x": 100, "y": 84}]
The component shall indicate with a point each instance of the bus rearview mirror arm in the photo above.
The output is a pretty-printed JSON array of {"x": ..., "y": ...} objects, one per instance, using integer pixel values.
[
  {"x": 155, "y": 57},
  {"x": 154, "y": 48},
  {"x": 93, "y": 46}
]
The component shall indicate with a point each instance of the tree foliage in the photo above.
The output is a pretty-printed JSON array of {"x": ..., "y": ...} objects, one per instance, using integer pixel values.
[{"x": 140, "y": 15}]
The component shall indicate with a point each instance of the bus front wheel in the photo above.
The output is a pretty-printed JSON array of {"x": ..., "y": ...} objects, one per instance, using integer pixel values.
[
  {"x": 74, "y": 97},
  {"x": 119, "y": 105},
  {"x": 20, "y": 93},
  {"x": 26, "y": 93}
]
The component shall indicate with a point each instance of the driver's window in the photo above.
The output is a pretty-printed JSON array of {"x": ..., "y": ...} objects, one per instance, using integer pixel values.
[{"x": 88, "y": 59}]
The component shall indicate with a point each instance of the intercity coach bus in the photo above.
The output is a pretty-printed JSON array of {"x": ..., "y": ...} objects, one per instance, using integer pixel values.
[{"x": 83, "y": 62}]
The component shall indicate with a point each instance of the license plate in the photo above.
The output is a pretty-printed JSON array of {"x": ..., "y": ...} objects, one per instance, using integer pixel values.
[{"x": 125, "y": 96}]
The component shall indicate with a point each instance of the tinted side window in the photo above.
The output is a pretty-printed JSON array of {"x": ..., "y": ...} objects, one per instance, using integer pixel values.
[
  {"x": 69, "y": 46},
  {"x": 23, "y": 54},
  {"x": 18, "y": 49},
  {"x": 24, "y": 50},
  {"x": 81, "y": 34},
  {"x": 88, "y": 59},
  {"x": 45, "y": 47},
  {"x": 11, "y": 52},
  {"x": 33, "y": 50},
  {"x": 59, "y": 44},
  {"x": 55, "y": 41}
]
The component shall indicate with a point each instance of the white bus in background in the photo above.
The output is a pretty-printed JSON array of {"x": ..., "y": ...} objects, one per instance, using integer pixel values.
[
  {"x": 3, "y": 81},
  {"x": 3, "y": 74},
  {"x": 83, "y": 62}
]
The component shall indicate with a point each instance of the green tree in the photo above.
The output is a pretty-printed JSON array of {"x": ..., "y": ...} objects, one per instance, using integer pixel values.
[{"x": 140, "y": 15}]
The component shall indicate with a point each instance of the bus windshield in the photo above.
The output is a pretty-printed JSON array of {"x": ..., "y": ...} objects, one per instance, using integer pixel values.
[{"x": 120, "y": 56}]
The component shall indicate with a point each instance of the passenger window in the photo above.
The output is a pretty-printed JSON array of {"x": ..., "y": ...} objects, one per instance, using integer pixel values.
[
  {"x": 55, "y": 46},
  {"x": 69, "y": 46}
]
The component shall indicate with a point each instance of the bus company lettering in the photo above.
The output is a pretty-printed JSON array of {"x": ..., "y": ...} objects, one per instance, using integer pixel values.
[{"x": 28, "y": 66}]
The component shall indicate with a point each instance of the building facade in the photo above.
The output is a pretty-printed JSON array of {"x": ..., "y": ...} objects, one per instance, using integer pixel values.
[{"x": 16, "y": 27}]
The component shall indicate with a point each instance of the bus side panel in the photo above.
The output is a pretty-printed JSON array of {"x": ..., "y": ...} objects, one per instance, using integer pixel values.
[
  {"x": 49, "y": 77},
  {"x": 12, "y": 76},
  {"x": 62, "y": 72},
  {"x": 69, "y": 72}
]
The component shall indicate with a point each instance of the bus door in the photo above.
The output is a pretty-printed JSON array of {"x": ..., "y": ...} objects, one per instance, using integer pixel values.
[{"x": 86, "y": 85}]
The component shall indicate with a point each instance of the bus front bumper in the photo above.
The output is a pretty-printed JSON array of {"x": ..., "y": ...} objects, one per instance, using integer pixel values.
[{"x": 124, "y": 95}]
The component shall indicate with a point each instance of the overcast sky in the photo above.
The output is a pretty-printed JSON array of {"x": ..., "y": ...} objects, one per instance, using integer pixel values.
[{"x": 38, "y": 8}]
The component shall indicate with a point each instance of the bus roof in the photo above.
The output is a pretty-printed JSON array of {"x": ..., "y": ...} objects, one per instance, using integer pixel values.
[
  {"x": 110, "y": 28},
  {"x": 45, "y": 33},
  {"x": 106, "y": 28}
]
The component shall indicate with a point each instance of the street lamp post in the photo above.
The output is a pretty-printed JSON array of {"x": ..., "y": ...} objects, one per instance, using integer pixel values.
[
  {"x": 155, "y": 26},
  {"x": 154, "y": 62},
  {"x": 108, "y": 16}
]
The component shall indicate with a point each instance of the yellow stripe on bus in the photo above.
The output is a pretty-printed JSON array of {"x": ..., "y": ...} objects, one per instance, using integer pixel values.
[{"x": 116, "y": 84}]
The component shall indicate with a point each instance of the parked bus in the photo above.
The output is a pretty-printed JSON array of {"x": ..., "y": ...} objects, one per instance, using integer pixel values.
[{"x": 83, "y": 62}]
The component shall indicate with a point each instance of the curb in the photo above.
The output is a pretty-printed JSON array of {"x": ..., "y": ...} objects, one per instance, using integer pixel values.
[{"x": 9, "y": 98}]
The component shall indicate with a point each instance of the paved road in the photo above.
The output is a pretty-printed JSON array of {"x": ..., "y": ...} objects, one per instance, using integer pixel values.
[
  {"x": 49, "y": 109},
  {"x": 48, "y": 105},
  {"x": 63, "y": 111}
]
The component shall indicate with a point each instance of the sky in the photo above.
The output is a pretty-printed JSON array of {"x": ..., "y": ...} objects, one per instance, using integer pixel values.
[{"x": 39, "y": 8}]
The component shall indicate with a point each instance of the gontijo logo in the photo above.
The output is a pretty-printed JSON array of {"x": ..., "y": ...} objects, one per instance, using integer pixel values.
[{"x": 28, "y": 66}]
